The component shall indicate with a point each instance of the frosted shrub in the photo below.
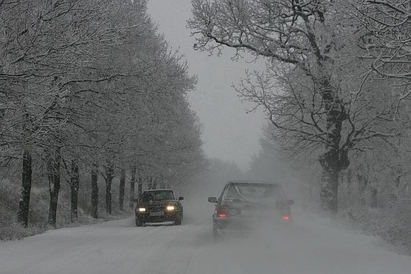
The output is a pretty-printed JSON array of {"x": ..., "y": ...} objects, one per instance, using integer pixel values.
[
  {"x": 10, "y": 229},
  {"x": 393, "y": 224}
]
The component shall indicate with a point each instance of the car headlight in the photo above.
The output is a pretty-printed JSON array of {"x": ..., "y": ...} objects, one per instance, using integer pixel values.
[
  {"x": 170, "y": 208},
  {"x": 141, "y": 209}
]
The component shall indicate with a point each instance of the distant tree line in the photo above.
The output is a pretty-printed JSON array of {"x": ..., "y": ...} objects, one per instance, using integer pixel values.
[{"x": 88, "y": 89}]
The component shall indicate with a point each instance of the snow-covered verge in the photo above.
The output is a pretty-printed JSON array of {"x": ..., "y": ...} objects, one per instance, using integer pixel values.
[
  {"x": 10, "y": 229},
  {"x": 391, "y": 224}
]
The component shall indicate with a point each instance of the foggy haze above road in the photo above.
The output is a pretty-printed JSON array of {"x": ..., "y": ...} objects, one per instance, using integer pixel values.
[{"x": 229, "y": 133}]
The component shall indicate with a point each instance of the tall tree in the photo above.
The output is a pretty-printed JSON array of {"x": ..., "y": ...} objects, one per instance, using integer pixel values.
[
  {"x": 108, "y": 177},
  {"x": 54, "y": 179},
  {"x": 23, "y": 214},
  {"x": 42, "y": 50},
  {"x": 304, "y": 93},
  {"x": 297, "y": 33},
  {"x": 94, "y": 191},
  {"x": 121, "y": 191}
]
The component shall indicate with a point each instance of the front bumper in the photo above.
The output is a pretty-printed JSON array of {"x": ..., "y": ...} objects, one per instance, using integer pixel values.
[{"x": 147, "y": 217}]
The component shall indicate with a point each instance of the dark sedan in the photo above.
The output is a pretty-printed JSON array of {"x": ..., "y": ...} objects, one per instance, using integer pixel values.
[
  {"x": 243, "y": 204},
  {"x": 158, "y": 205}
]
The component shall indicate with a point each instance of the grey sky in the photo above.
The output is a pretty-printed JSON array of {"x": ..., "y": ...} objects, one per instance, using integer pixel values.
[{"x": 228, "y": 132}]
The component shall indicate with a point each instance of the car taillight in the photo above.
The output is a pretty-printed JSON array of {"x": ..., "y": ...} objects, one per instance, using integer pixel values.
[
  {"x": 286, "y": 218},
  {"x": 221, "y": 212}
]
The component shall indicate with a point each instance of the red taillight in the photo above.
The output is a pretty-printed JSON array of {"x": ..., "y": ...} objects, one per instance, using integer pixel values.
[
  {"x": 286, "y": 218},
  {"x": 221, "y": 212}
]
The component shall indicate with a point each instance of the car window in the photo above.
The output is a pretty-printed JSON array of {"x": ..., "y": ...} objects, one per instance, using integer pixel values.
[
  {"x": 233, "y": 193},
  {"x": 255, "y": 192},
  {"x": 157, "y": 196},
  {"x": 222, "y": 193}
]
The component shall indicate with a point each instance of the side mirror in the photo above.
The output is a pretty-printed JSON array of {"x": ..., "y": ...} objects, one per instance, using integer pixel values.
[
  {"x": 212, "y": 200},
  {"x": 290, "y": 202},
  {"x": 180, "y": 198}
]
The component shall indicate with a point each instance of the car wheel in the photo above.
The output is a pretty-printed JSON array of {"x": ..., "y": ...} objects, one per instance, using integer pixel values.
[
  {"x": 138, "y": 222},
  {"x": 177, "y": 221}
]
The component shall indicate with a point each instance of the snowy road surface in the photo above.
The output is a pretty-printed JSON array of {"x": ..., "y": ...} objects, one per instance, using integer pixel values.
[{"x": 313, "y": 245}]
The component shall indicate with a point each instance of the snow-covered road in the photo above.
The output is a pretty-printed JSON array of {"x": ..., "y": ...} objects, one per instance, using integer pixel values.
[{"x": 312, "y": 246}]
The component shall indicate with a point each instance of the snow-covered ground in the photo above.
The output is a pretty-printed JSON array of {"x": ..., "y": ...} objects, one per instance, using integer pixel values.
[{"x": 313, "y": 245}]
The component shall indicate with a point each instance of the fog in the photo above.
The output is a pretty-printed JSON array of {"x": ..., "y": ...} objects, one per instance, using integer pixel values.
[
  {"x": 229, "y": 132},
  {"x": 314, "y": 242}
]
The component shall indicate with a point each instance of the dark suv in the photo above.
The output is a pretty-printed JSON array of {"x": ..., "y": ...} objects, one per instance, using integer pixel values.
[
  {"x": 244, "y": 204},
  {"x": 158, "y": 205}
]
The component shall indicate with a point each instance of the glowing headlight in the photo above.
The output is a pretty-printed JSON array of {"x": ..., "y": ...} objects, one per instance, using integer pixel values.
[
  {"x": 141, "y": 209},
  {"x": 170, "y": 208}
]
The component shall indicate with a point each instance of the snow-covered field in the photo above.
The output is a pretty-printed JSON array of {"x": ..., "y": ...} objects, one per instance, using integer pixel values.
[{"x": 312, "y": 245}]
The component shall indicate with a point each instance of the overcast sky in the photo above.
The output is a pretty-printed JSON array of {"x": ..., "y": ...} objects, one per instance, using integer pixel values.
[{"x": 229, "y": 133}]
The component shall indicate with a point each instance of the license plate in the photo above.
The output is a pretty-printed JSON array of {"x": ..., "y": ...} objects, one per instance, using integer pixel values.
[{"x": 157, "y": 213}]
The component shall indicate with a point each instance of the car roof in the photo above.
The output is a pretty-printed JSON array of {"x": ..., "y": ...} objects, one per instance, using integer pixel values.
[
  {"x": 161, "y": 189},
  {"x": 248, "y": 182}
]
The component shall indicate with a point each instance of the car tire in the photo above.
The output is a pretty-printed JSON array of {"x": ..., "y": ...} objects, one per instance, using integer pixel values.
[
  {"x": 139, "y": 223},
  {"x": 177, "y": 221}
]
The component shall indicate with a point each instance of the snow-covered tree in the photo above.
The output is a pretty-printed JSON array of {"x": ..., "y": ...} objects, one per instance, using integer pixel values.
[{"x": 312, "y": 90}]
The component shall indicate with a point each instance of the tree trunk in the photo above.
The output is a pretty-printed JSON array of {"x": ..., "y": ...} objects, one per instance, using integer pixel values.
[
  {"x": 74, "y": 185},
  {"x": 140, "y": 186},
  {"x": 329, "y": 189},
  {"x": 24, "y": 203},
  {"x": 349, "y": 187},
  {"x": 109, "y": 180},
  {"x": 395, "y": 192},
  {"x": 150, "y": 184},
  {"x": 132, "y": 185},
  {"x": 335, "y": 159},
  {"x": 374, "y": 195},
  {"x": 332, "y": 163},
  {"x": 94, "y": 191},
  {"x": 122, "y": 189},
  {"x": 349, "y": 183},
  {"x": 53, "y": 169},
  {"x": 362, "y": 185},
  {"x": 154, "y": 183}
]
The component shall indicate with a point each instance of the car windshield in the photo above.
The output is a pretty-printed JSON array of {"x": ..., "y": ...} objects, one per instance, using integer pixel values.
[
  {"x": 254, "y": 192},
  {"x": 161, "y": 195}
]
